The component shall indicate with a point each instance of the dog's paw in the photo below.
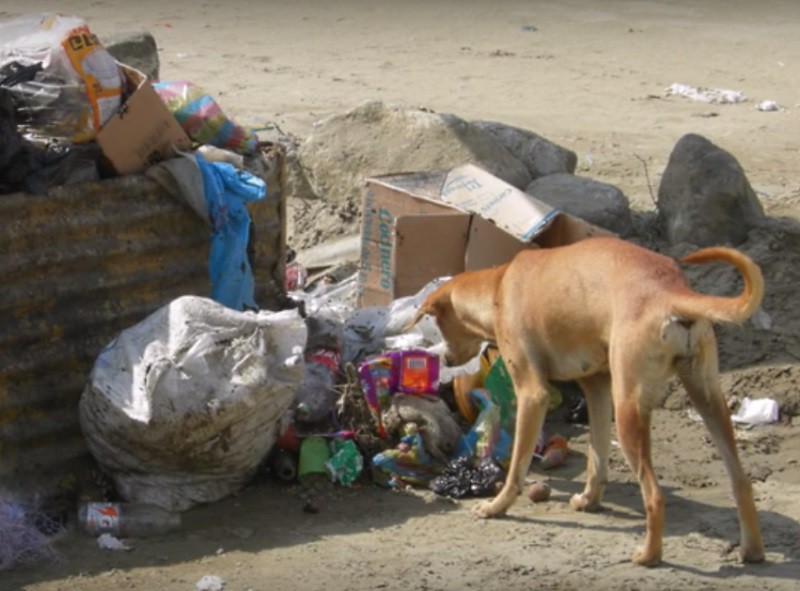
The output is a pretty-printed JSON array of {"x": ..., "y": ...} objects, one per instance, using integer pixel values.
[
  {"x": 755, "y": 554},
  {"x": 644, "y": 558},
  {"x": 485, "y": 510},
  {"x": 582, "y": 503}
]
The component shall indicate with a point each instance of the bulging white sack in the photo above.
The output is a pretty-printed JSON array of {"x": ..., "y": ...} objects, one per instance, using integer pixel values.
[{"x": 182, "y": 408}]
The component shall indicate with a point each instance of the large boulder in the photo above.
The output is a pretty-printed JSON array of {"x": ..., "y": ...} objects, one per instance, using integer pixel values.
[
  {"x": 136, "y": 49},
  {"x": 704, "y": 197},
  {"x": 540, "y": 156},
  {"x": 598, "y": 203},
  {"x": 374, "y": 139}
]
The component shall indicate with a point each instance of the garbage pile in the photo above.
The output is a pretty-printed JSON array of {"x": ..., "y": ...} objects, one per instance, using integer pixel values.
[
  {"x": 187, "y": 406},
  {"x": 70, "y": 113},
  {"x": 372, "y": 382}
]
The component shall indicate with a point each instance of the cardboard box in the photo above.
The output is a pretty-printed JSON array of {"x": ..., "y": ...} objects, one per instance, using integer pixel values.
[
  {"x": 143, "y": 131},
  {"x": 419, "y": 226}
]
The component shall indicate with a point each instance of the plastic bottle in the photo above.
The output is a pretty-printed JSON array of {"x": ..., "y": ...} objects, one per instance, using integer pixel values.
[{"x": 127, "y": 520}]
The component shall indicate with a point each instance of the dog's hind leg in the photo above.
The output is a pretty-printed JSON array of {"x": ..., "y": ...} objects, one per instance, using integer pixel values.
[
  {"x": 632, "y": 414},
  {"x": 597, "y": 390},
  {"x": 700, "y": 377},
  {"x": 532, "y": 399}
]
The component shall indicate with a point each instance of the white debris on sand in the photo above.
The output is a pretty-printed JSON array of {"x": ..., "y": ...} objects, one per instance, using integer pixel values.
[
  {"x": 109, "y": 542},
  {"x": 767, "y": 105},
  {"x": 717, "y": 96},
  {"x": 760, "y": 411},
  {"x": 210, "y": 583}
]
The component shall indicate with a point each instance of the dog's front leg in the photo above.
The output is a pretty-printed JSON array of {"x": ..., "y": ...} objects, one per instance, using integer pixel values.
[
  {"x": 597, "y": 390},
  {"x": 532, "y": 398}
]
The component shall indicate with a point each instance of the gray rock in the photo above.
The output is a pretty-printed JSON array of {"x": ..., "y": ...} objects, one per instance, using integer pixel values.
[
  {"x": 136, "y": 49},
  {"x": 540, "y": 156},
  {"x": 374, "y": 139},
  {"x": 598, "y": 203},
  {"x": 704, "y": 197}
]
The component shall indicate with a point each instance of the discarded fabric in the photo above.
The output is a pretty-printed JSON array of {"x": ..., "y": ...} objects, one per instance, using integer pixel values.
[{"x": 226, "y": 190}]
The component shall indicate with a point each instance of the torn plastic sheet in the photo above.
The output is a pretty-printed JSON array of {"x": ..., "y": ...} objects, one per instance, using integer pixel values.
[
  {"x": 757, "y": 411},
  {"x": 717, "y": 96}
]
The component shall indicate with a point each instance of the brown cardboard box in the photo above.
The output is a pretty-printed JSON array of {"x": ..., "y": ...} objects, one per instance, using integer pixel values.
[
  {"x": 143, "y": 131},
  {"x": 419, "y": 226}
]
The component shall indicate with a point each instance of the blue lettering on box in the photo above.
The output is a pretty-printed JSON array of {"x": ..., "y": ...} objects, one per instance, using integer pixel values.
[{"x": 385, "y": 247}]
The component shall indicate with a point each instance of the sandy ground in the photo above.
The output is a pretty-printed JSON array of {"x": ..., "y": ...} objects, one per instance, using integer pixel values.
[{"x": 591, "y": 76}]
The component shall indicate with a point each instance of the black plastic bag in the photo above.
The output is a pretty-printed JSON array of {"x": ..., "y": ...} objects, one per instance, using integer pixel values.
[{"x": 460, "y": 479}]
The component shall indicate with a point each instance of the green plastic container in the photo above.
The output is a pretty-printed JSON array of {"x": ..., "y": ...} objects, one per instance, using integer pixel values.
[{"x": 314, "y": 453}]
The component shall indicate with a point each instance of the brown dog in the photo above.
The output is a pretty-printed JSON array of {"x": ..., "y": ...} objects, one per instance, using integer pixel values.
[{"x": 619, "y": 319}]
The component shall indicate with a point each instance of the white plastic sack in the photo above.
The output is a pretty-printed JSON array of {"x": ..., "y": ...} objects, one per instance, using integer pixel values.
[
  {"x": 181, "y": 408},
  {"x": 80, "y": 85}
]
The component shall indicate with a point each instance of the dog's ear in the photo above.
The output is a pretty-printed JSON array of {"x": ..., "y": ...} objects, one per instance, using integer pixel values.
[{"x": 427, "y": 307}]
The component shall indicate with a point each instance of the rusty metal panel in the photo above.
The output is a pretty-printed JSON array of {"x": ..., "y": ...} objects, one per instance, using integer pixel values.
[{"x": 78, "y": 266}]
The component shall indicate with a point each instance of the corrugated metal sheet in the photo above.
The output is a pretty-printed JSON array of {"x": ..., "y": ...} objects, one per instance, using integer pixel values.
[{"x": 78, "y": 266}]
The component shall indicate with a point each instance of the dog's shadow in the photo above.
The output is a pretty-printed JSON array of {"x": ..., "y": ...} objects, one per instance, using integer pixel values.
[{"x": 622, "y": 504}]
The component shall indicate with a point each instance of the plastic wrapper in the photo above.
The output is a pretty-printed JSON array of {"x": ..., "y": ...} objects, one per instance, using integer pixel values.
[
  {"x": 63, "y": 82},
  {"x": 375, "y": 375},
  {"x": 346, "y": 462},
  {"x": 408, "y": 463},
  {"x": 202, "y": 118}
]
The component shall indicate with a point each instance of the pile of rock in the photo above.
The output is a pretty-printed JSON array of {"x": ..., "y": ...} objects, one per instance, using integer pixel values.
[{"x": 704, "y": 197}]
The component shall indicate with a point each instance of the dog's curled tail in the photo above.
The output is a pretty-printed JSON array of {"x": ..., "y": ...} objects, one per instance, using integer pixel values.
[{"x": 724, "y": 309}]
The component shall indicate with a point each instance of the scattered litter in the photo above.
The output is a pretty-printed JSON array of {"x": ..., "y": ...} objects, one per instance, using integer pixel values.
[
  {"x": 757, "y": 412},
  {"x": 220, "y": 551},
  {"x": 767, "y": 105},
  {"x": 693, "y": 415},
  {"x": 408, "y": 463},
  {"x": 717, "y": 96},
  {"x": 203, "y": 119},
  {"x": 210, "y": 583},
  {"x": 346, "y": 462},
  {"x": 529, "y": 28},
  {"x": 21, "y": 542},
  {"x": 460, "y": 478},
  {"x": 76, "y": 86},
  {"x": 555, "y": 452},
  {"x": 762, "y": 320},
  {"x": 109, "y": 542}
]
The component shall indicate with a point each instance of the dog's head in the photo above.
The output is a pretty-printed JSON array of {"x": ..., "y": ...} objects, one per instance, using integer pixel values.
[{"x": 461, "y": 344}]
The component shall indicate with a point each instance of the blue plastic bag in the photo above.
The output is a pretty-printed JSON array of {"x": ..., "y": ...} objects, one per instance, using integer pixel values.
[{"x": 226, "y": 190}]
